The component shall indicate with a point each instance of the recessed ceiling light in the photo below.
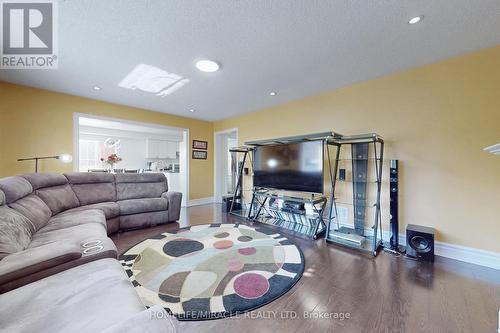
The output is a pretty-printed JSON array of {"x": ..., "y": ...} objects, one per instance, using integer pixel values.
[
  {"x": 415, "y": 19},
  {"x": 97, "y": 88},
  {"x": 192, "y": 110},
  {"x": 207, "y": 66},
  {"x": 273, "y": 93}
]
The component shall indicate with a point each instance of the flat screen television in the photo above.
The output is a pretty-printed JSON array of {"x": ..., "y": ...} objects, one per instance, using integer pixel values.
[{"x": 291, "y": 167}]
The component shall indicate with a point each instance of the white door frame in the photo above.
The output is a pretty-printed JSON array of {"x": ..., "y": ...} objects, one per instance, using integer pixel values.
[
  {"x": 217, "y": 161},
  {"x": 185, "y": 151}
]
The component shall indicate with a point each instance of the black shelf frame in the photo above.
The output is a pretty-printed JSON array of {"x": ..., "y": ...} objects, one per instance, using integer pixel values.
[
  {"x": 318, "y": 228},
  {"x": 331, "y": 140}
]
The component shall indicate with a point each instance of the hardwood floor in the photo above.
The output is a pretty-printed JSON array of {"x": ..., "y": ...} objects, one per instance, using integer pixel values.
[{"x": 385, "y": 294}]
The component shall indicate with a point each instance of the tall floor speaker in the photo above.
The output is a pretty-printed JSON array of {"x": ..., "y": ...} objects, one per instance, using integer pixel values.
[{"x": 393, "y": 206}]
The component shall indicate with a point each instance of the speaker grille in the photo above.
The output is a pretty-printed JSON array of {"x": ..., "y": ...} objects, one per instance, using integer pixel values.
[{"x": 420, "y": 244}]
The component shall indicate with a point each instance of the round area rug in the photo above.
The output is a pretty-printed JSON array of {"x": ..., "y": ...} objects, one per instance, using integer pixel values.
[{"x": 214, "y": 270}]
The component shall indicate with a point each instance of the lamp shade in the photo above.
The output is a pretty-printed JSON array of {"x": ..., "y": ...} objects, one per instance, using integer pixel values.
[{"x": 65, "y": 158}]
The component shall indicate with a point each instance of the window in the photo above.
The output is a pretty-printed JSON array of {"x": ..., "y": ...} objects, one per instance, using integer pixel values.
[{"x": 90, "y": 154}]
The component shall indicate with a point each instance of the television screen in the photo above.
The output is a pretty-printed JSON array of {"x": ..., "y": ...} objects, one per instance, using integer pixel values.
[{"x": 291, "y": 167}]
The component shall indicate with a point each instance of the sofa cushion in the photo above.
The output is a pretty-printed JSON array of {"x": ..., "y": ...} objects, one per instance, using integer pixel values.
[
  {"x": 54, "y": 190},
  {"x": 2, "y": 198},
  {"x": 74, "y": 234},
  {"x": 92, "y": 187},
  {"x": 89, "y": 177},
  {"x": 174, "y": 204},
  {"x": 15, "y": 231},
  {"x": 157, "y": 177},
  {"x": 33, "y": 260},
  {"x": 87, "y": 298},
  {"x": 34, "y": 209},
  {"x": 58, "y": 198},
  {"x": 136, "y": 206},
  {"x": 71, "y": 218},
  {"x": 42, "y": 261},
  {"x": 110, "y": 209},
  {"x": 141, "y": 185},
  {"x": 113, "y": 225},
  {"x": 15, "y": 188},
  {"x": 143, "y": 220},
  {"x": 41, "y": 180}
]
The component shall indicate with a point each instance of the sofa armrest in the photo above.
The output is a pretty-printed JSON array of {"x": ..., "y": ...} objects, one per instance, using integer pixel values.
[
  {"x": 154, "y": 319},
  {"x": 174, "y": 205},
  {"x": 33, "y": 260}
]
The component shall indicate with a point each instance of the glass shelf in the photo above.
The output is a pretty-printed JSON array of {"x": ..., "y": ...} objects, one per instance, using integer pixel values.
[
  {"x": 359, "y": 202},
  {"x": 359, "y": 159},
  {"x": 296, "y": 228},
  {"x": 358, "y": 181},
  {"x": 240, "y": 212},
  {"x": 293, "y": 217},
  {"x": 348, "y": 237}
]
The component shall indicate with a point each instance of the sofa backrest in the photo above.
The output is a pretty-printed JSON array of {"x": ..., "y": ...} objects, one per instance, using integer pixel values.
[
  {"x": 15, "y": 231},
  {"x": 54, "y": 190},
  {"x": 140, "y": 185},
  {"x": 18, "y": 194},
  {"x": 92, "y": 187}
]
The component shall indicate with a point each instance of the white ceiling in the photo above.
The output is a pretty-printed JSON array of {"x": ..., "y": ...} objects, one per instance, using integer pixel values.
[{"x": 296, "y": 47}]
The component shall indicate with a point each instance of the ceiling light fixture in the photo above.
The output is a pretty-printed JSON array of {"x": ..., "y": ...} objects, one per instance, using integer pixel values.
[
  {"x": 273, "y": 93},
  {"x": 415, "y": 19},
  {"x": 97, "y": 88},
  {"x": 207, "y": 66},
  {"x": 192, "y": 110},
  {"x": 153, "y": 80}
]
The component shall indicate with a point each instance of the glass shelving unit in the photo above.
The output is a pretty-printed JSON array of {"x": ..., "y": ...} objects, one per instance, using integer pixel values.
[
  {"x": 240, "y": 203},
  {"x": 354, "y": 219}
]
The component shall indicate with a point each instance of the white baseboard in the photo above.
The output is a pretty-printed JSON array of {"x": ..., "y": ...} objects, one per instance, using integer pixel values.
[
  {"x": 458, "y": 252},
  {"x": 468, "y": 254},
  {"x": 201, "y": 201}
]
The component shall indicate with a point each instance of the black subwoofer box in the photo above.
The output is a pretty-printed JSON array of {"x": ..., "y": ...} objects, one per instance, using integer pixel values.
[{"x": 420, "y": 242}]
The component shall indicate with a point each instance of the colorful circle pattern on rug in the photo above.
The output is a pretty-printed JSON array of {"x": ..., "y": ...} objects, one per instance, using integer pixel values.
[{"x": 214, "y": 270}]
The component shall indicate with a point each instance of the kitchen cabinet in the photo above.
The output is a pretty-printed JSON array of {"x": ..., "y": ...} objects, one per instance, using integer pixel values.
[
  {"x": 174, "y": 181},
  {"x": 161, "y": 149},
  {"x": 172, "y": 149}
]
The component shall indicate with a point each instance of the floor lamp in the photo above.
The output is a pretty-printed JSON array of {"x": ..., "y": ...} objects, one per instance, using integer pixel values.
[{"x": 65, "y": 158}]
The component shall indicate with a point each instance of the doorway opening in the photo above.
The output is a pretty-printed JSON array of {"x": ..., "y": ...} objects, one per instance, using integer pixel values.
[
  {"x": 139, "y": 148},
  {"x": 224, "y": 175}
]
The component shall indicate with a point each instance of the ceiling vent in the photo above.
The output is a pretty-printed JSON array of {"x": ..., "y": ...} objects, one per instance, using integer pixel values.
[
  {"x": 495, "y": 149},
  {"x": 153, "y": 80}
]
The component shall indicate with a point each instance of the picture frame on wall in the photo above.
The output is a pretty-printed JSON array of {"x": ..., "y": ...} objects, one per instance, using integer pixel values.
[
  {"x": 198, "y": 144},
  {"x": 200, "y": 154}
]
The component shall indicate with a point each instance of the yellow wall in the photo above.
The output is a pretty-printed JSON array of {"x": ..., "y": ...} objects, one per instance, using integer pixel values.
[
  {"x": 435, "y": 119},
  {"x": 36, "y": 122}
]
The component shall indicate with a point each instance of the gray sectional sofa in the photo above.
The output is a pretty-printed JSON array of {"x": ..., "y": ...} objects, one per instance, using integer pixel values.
[
  {"x": 55, "y": 227},
  {"x": 93, "y": 297}
]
